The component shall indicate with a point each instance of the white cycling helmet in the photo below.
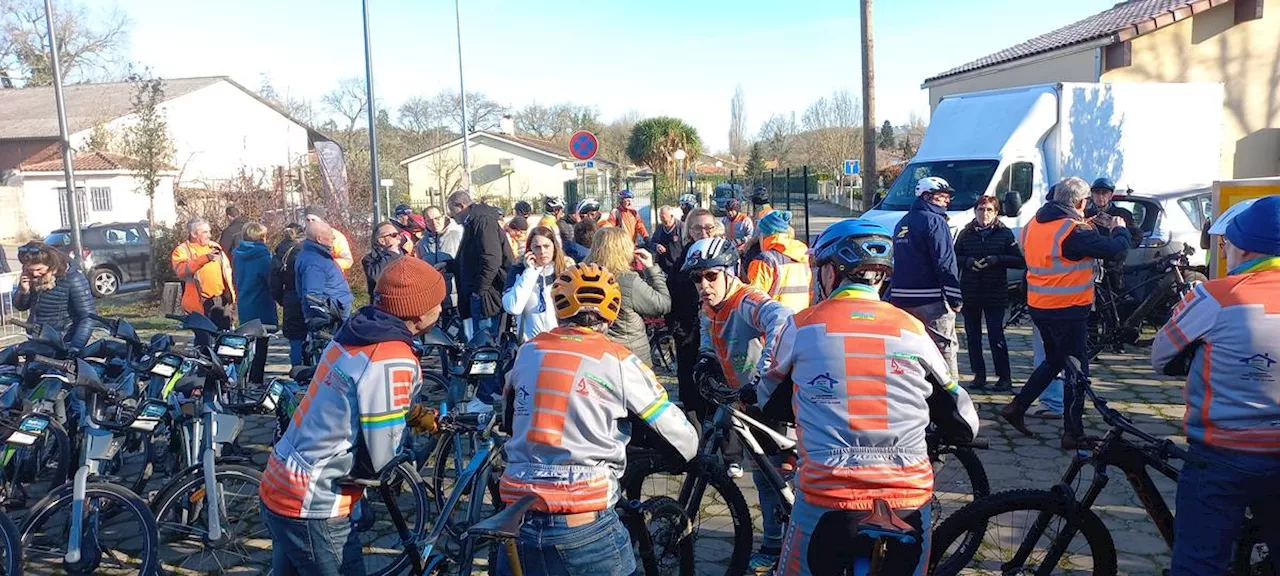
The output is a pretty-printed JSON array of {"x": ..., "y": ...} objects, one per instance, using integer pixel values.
[{"x": 931, "y": 185}]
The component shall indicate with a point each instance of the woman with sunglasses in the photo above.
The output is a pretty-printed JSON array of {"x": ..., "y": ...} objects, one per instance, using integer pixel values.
[
  {"x": 527, "y": 295},
  {"x": 55, "y": 293}
]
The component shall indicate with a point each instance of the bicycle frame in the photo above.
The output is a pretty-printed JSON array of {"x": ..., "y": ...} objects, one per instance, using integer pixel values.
[{"x": 728, "y": 419}]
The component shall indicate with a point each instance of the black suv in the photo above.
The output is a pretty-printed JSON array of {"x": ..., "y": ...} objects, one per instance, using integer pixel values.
[{"x": 115, "y": 254}]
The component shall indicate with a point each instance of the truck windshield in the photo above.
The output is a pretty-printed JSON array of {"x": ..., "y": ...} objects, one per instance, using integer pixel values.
[{"x": 969, "y": 178}]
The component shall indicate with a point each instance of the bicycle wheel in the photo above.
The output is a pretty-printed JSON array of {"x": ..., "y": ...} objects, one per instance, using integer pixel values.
[
  {"x": 10, "y": 548},
  {"x": 721, "y": 521},
  {"x": 445, "y": 470},
  {"x": 958, "y": 479},
  {"x": 39, "y": 468},
  {"x": 118, "y": 533},
  {"x": 385, "y": 552},
  {"x": 1008, "y": 522},
  {"x": 1252, "y": 556},
  {"x": 182, "y": 522}
]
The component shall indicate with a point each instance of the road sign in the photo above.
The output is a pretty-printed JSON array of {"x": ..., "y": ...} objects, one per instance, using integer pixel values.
[
  {"x": 583, "y": 145},
  {"x": 587, "y": 164},
  {"x": 851, "y": 167}
]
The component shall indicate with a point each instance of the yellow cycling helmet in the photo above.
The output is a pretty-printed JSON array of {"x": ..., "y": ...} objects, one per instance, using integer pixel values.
[{"x": 587, "y": 288}]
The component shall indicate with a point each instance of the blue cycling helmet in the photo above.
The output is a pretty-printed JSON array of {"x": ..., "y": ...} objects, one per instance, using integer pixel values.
[
  {"x": 404, "y": 210},
  {"x": 854, "y": 245},
  {"x": 624, "y": 194},
  {"x": 1103, "y": 184}
]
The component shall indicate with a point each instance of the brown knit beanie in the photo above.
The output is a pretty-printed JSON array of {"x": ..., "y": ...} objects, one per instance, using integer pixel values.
[{"x": 408, "y": 288}]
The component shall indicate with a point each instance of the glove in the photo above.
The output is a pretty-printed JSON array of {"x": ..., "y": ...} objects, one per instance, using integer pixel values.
[
  {"x": 747, "y": 395},
  {"x": 317, "y": 323},
  {"x": 421, "y": 420}
]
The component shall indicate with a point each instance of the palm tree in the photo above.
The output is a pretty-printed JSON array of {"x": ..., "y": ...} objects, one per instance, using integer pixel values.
[{"x": 654, "y": 142}]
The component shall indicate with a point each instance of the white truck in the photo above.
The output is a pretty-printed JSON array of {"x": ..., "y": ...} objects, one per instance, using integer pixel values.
[{"x": 1015, "y": 143}]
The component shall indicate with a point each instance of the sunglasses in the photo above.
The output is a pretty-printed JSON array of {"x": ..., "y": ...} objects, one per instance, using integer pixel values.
[
  {"x": 708, "y": 275},
  {"x": 29, "y": 250},
  {"x": 391, "y": 235}
]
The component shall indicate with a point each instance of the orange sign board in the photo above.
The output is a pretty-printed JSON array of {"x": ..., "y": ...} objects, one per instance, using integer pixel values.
[{"x": 1228, "y": 193}]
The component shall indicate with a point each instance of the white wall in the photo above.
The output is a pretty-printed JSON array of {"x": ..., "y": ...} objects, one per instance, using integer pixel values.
[
  {"x": 127, "y": 204},
  {"x": 534, "y": 174},
  {"x": 218, "y": 129}
]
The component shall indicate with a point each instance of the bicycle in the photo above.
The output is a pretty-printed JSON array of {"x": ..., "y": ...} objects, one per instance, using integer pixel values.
[
  {"x": 662, "y": 344},
  {"x": 21, "y": 432},
  {"x": 1071, "y": 516},
  {"x": 1111, "y": 329}
]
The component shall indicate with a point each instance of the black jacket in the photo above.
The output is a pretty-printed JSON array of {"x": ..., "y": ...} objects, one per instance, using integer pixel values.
[
  {"x": 483, "y": 259},
  {"x": 1135, "y": 233},
  {"x": 673, "y": 240},
  {"x": 1083, "y": 242},
  {"x": 924, "y": 260},
  {"x": 374, "y": 263},
  {"x": 685, "y": 304},
  {"x": 988, "y": 286},
  {"x": 233, "y": 234},
  {"x": 284, "y": 289},
  {"x": 66, "y": 307}
]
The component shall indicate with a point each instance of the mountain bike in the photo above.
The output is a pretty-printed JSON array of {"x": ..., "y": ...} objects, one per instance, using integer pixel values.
[
  {"x": 1056, "y": 531},
  {"x": 1115, "y": 323}
]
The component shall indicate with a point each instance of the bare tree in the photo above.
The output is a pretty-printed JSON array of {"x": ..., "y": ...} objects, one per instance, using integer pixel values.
[
  {"x": 482, "y": 113},
  {"x": 348, "y": 100},
  {"x": 300, "y": 109},
  {"x": 738, "y": 124},
  {"x": 558, "y": 121},
  {"x": 831, "y": 129},
  {"x": 778, "y": 135},
  {"x": 537, "y": 120},
  {"x": 88, "y": 49},
  {"x": 147, "y": 140},
  {"x": 913, "y": 135}
]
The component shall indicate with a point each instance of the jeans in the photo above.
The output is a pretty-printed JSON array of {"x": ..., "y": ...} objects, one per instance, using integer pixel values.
[
  {"x": 940, "y": 322},
  {"x": 548, "y": 546},
  {"x": 295, "y": 351},
  {"x": 1212, "y": 496},
  {"x": 1062, "y": 338},
  {"x": 770, "y": 500},
  {"x": 994, "y": 315},
  {"x": 489, "y": 385},
  {"x": 1051, "y": 398},
  {"x": 313, "y": 547},
  {"x": 823, "y": 541}
]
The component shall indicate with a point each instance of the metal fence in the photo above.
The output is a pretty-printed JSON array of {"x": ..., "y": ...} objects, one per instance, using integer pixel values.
[{"x": 8, "y": 333}]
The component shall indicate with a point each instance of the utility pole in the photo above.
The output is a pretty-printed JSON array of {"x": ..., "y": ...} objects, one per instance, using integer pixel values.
[
  {"x": 869, "y": 178},
  {"x": 68, "y": 163},
  {"x": 462, "y": 94},
  {"x": 370, "y": 107}
]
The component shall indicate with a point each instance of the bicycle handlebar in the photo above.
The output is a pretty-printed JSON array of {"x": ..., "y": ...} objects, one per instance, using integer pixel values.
[
  {"x": 23, "y": 324},
  {"x": 1110, "y": 415}
]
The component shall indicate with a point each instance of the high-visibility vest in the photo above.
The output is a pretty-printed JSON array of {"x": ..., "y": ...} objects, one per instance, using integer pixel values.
[
  {"x": 789, "y": 280},
  {"x": 1052, "y": 280}
]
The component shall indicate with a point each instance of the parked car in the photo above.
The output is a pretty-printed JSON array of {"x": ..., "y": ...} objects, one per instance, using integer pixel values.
[
  {"x": 723, "y": 193},
  {"x": 114, "y": 254},
  {"x": 1169, "y": 222}
]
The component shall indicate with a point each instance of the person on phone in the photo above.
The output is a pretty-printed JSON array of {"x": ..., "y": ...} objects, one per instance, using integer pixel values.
[
  {"x": 54, "y": 292},
  {"x": 205, "y": 272},
  {"x": 985, "y": 250},
  {"x": 527, "y": 296},
  {"x": 644, "y": 293}
]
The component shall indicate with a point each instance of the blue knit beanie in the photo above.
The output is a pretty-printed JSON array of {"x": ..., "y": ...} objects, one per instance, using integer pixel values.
[
  {"x": 775, "y": 222},
  {"x": 1257, "y": 228}
]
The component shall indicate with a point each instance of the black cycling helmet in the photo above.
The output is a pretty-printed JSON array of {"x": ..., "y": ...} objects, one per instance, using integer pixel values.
[
  {"x": 854, "y": 245},
  {"x": 760, "y": 196},
  {"x": 404, "y": 210},
  {"x": 523, "y": 208},
  {"x": 711, "y": 253},
  {"x": 1103, "y": 184}
]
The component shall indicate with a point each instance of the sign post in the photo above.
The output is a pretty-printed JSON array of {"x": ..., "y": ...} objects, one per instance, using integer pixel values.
[{"x": 583, "y": 146}]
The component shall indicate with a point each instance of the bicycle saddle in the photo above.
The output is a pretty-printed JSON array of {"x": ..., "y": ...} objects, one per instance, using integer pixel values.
[
  {"x": 252, "y": 329},
  {"x": 505, "y": 524},
  {"x": 189, "y": 384},
  {"x": 882, "y": 522}
]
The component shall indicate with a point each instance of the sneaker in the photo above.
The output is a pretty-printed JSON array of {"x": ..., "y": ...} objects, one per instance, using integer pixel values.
[
  {"x": 1045, "y": 413},
  {"x": 1002, "y": 386},
  {"x": 977, "y": 384},
  {"x": 763, "y": 562},
  {"x": 735, "y": 470},
  {"x": 477, "y": 406}
]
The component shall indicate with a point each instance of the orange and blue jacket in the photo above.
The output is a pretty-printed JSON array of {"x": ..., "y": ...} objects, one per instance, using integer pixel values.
[
  {"x": 350, "y": 422},
  {"x": 202, "y": 278},
  {"x": 738, "y": 230},
  {"x": 1229, "y": 329},
  {"x": 867, "y": 382},
  {"x": 741, "y": 331},
  {"x": 782, "y": 271},
  {"x": 567, "y": 393},
  {"x": 629, "y": 220}
]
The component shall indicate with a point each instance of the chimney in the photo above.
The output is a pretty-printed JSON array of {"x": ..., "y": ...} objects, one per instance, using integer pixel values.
[{"x": 507, "y": 125}]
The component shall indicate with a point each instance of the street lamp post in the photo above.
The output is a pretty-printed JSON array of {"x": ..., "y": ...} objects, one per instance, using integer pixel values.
[
  {"x": 371, "y": 107},
  {"x": 68, "y": 163},
  {"x": 462, "y": 94}
]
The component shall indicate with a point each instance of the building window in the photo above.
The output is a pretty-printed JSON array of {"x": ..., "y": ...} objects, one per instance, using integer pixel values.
[
  {"x": 62, "y": 207},
  {"x": 100, "y": 199},
  {"x": 1117, "y": 55}
]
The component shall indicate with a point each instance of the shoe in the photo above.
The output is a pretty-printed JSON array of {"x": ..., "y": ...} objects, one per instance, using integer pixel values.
[
  {"x": 735, "y": 470},
  {"x": 977, "y": 384},
  {"x": 478, "y": 406},
  {"x": 1002, "y": 386},
  {"x": 1071, "y": 443},
  {"x": 1014, "y": 415},
  {"x": 763, "y": 562},
  {"x": 1046, "y": 413}
]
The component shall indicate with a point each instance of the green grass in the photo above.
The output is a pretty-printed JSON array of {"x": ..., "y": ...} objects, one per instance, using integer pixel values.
[{"x": 141, "y": 309}]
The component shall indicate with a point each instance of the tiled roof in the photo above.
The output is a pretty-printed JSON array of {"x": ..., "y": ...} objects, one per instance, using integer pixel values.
[
  {"x": 92, "y": 160},
  {"x": 1123, "y": 21},
  {"x": 31, "y": 113}
]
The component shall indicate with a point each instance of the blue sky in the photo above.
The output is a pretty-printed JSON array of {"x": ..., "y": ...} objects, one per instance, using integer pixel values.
[{"x": 679, "y": 58}]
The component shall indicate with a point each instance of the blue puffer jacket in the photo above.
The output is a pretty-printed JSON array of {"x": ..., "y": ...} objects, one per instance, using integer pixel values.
[
  {"x": 66, "y": 307},
  {"x": 924, "y": 259},
  {"x": 251, "y": 268},
  {"x": 318, "y": 274}
]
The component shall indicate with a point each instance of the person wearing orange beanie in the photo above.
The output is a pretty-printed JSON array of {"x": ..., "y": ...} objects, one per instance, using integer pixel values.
[{"x": 356, "y": 412}]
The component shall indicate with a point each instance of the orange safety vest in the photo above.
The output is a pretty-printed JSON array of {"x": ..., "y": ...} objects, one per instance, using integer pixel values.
[{"x": 1053, "y": 281}]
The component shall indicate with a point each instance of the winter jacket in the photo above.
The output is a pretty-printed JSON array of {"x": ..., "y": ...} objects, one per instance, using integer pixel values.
[
  {"x": 284, "y": 289},
  {"x": 565, "y": 225},
  {"x": 527, "y": 298},
  {"x": 629, "y": 220},
  {"x": 65, "y": 307},
  {"x": 1135, "y": 232},
  {"x": 482, "y": 262},
  {"x": 644, "y": 295},
  {"x": 1229, "y": 331},
  {"x": 865, "y": 381},
  {"x": 374, "y": 263},
  {"x": 733, "y": 332},
  {"x": 317, "y": 274},
  {"x": 576, "y": 251},
  {"x": 568, "y": 391},
  {"x": 442, "y": 248},
  {"x": 233, "y": 234},
  {"x": 739, "y": 230},
  {"x": 341, "y": 250},
  {"x": 351, "y": 422},
  {"x": 1084, "y": 242},
  {"x": 683, "y": 320},
  {"x": 673, "y": 241},
  {"x": 782, "y": 271},
  {"x": 251, "y": 268},
  {"x": 202, "y": 277},
  {"x": 990, "y": 285},
  {"x": 924, "y": 260}
]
